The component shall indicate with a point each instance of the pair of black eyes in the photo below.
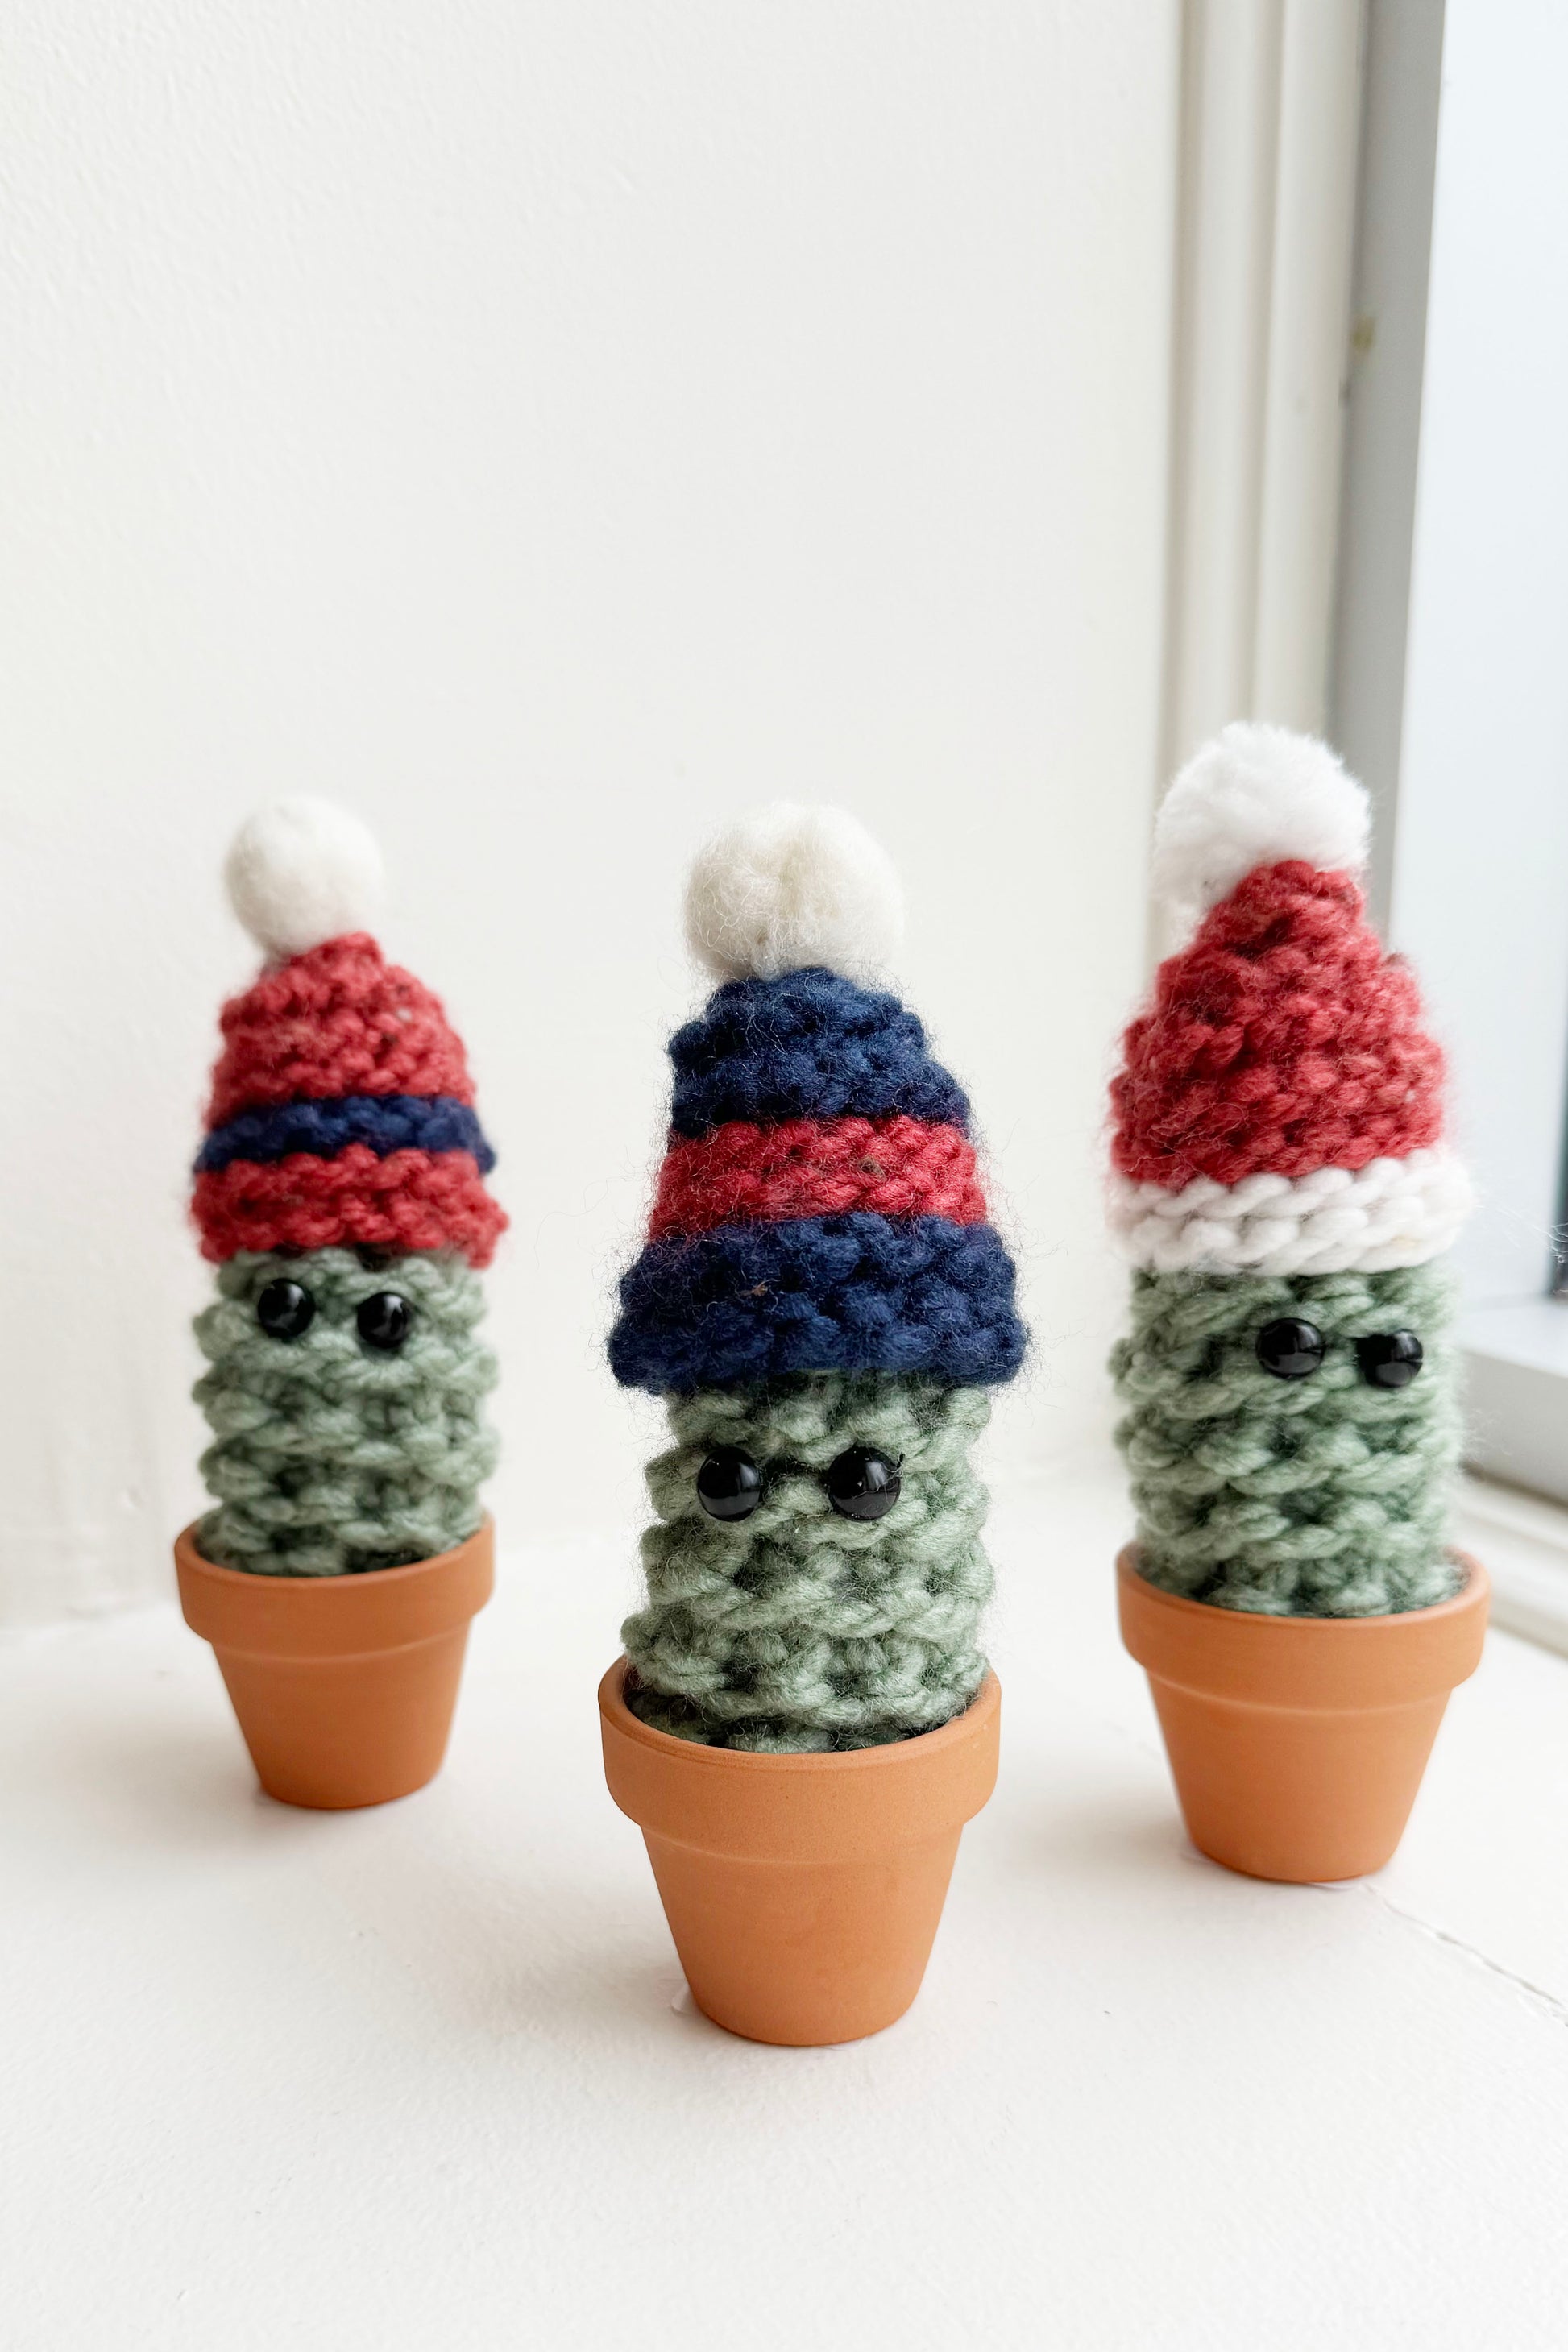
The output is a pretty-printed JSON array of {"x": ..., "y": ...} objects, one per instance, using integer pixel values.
[
  {"x": 1291, "y": 1350},
  {"x": 861, "y": 1484},
  {"x": 286, "y": 1310}
]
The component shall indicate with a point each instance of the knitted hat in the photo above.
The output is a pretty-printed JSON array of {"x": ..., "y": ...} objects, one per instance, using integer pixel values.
[
  {"x": 342, "y": 1108},
  {"x": 819, "y": 1208},
  {"x": 1279, "y": 1110}
]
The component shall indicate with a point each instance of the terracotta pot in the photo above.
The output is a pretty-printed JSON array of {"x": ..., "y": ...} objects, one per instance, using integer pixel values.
[
  {"x": 344, "y": 1686},
  {"x": 803, "y": 1891},
  {"x": 1297, "y": 1744}
]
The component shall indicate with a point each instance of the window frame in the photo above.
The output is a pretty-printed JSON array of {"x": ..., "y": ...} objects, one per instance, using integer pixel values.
[{"x": 1444, "y": 694}]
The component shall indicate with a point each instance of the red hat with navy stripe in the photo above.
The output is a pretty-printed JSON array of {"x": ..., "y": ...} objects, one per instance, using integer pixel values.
[
  {"x": 1280, "y": 1108},
  {"x": 819, "y": 1208},
  {"x": 343, "y": 1111}
]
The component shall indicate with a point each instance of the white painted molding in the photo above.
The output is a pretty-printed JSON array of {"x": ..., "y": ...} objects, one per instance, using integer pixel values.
[
  {"x": 1521, "y": 1541},
  {"x": 1270, "y": 109},
  {"x": 1516, "y": 1394},
  {"x": 1402, "y": 84}
]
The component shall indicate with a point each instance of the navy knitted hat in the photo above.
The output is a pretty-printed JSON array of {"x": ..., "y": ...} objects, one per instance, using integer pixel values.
[{"x": 819, "y": 1208}]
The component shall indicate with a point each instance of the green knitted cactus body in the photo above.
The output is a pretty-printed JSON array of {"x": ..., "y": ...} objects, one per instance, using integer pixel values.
[
  {"x": 798, "y": 1630},
  {"x": 330, "y": 1457},
  {"x": 1323, "y": 1497}
]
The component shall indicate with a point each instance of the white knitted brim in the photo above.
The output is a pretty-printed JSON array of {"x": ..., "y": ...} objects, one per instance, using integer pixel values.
[{"x": 1390, "y": 1213}]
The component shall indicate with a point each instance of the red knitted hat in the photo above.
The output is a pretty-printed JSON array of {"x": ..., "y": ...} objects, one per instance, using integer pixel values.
[
  {"x": 1280, "y": 1103},
  {"x": 342, "y": 1110},
  {"x": 338, "y": 1020}
]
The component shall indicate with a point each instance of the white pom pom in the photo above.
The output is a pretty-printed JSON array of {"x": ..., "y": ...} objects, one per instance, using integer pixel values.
[
  {"x": 302, "y": 872},
  {"x": 1254, "y": 796},
  {"x": 791, "y": 887}
]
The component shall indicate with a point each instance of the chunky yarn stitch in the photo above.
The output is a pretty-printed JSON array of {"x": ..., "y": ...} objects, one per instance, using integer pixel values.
[
  {"x": 385, "y": 1123},
  {"x": 809, "y": 1044},
  {"x": 1317, "y": 1496},
  {"x": 746, "y": 1174},
  {"x": 409, "y": 1200},
  {"x": 1282, "y": 1041},
  {"x": 795, "y": 1629},
  {"x": 329, "y": 1457},
  {"x": 818, "y": 1276},
  {"x": 338, "y": 1020},
  {"x": 852, "y": 1293},
  {"x": 1390, "y": 1213}
]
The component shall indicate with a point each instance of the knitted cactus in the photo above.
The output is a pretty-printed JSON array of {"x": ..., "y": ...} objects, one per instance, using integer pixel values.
[
  {"x": 1280, "y": 1183},
  {"x": 824, "y": 1307},
  {"x": 340, "y": 1192}
]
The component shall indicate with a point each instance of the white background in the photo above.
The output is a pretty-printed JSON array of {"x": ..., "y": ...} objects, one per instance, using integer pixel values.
[{"x": 552, "y": 428}]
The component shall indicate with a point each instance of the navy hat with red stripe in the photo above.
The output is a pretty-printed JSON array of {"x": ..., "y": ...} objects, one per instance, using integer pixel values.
[{"x": 819, "y": 1208}]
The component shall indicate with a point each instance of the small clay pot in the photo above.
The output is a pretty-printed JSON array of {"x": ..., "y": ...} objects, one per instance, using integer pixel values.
[
  {"x": 344, "y": 1686},
  {"x": 1297, "y": 1744},
  {"x": 803, "y": 1891}
]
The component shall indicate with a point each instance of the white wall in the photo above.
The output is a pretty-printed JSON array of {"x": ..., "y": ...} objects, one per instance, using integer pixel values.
[{"x": 549, "y": 428}]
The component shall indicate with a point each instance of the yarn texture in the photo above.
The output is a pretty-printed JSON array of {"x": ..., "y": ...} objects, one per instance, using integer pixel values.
[
  {"x": 1390, "y": 1213},
  {"x": 851, "y": 1293},
  {"x": 809, "y": 1044},
  {"x": 385, "y": 1123},
  {"x": 342, "y": 1170},
  {"x": 796, "y": 1629},
  {"x": 1282, "y": 1042},
  {"x": 744, "y": 1174},
  {"x": 342, "y": 1116},
  {"x": 406, "y": 1200},
  {"x": 336, "y": 1020},
  {"x": 1255, "y": 795},
  {"x": 1323, "y": 1495},
  {"x": 820, "y": 1277},
  {"x": 792, "y": 886},
  {"x": 328, "y": 1456},
  {"x": 1278, "y": 1158}
]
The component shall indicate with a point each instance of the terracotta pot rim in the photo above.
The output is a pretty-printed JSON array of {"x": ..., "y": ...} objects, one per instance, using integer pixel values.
[
  {"x": 363, "y": 1581},
  {"x": 1333, "y": 1664},
  {"x": 612, "y": 1706},
  {"x": 1474, "y": 1588},
  {"x": 244, "y": 1613}
]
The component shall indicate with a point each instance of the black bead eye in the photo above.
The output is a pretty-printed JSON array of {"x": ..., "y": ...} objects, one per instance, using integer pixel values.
[
  {"x": 285, "y": 1310},
  {"x": 1390, "y": 1360},
  {"x": 1288, "y": 1348},
  {"x": 863, "y": 1484},
  {"x": 384, "y": 1321},
  {"x": 729, "y": 1484}
]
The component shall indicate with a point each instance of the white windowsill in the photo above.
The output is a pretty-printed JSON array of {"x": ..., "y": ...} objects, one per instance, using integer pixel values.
[{"x": 425, "y": 2075}]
